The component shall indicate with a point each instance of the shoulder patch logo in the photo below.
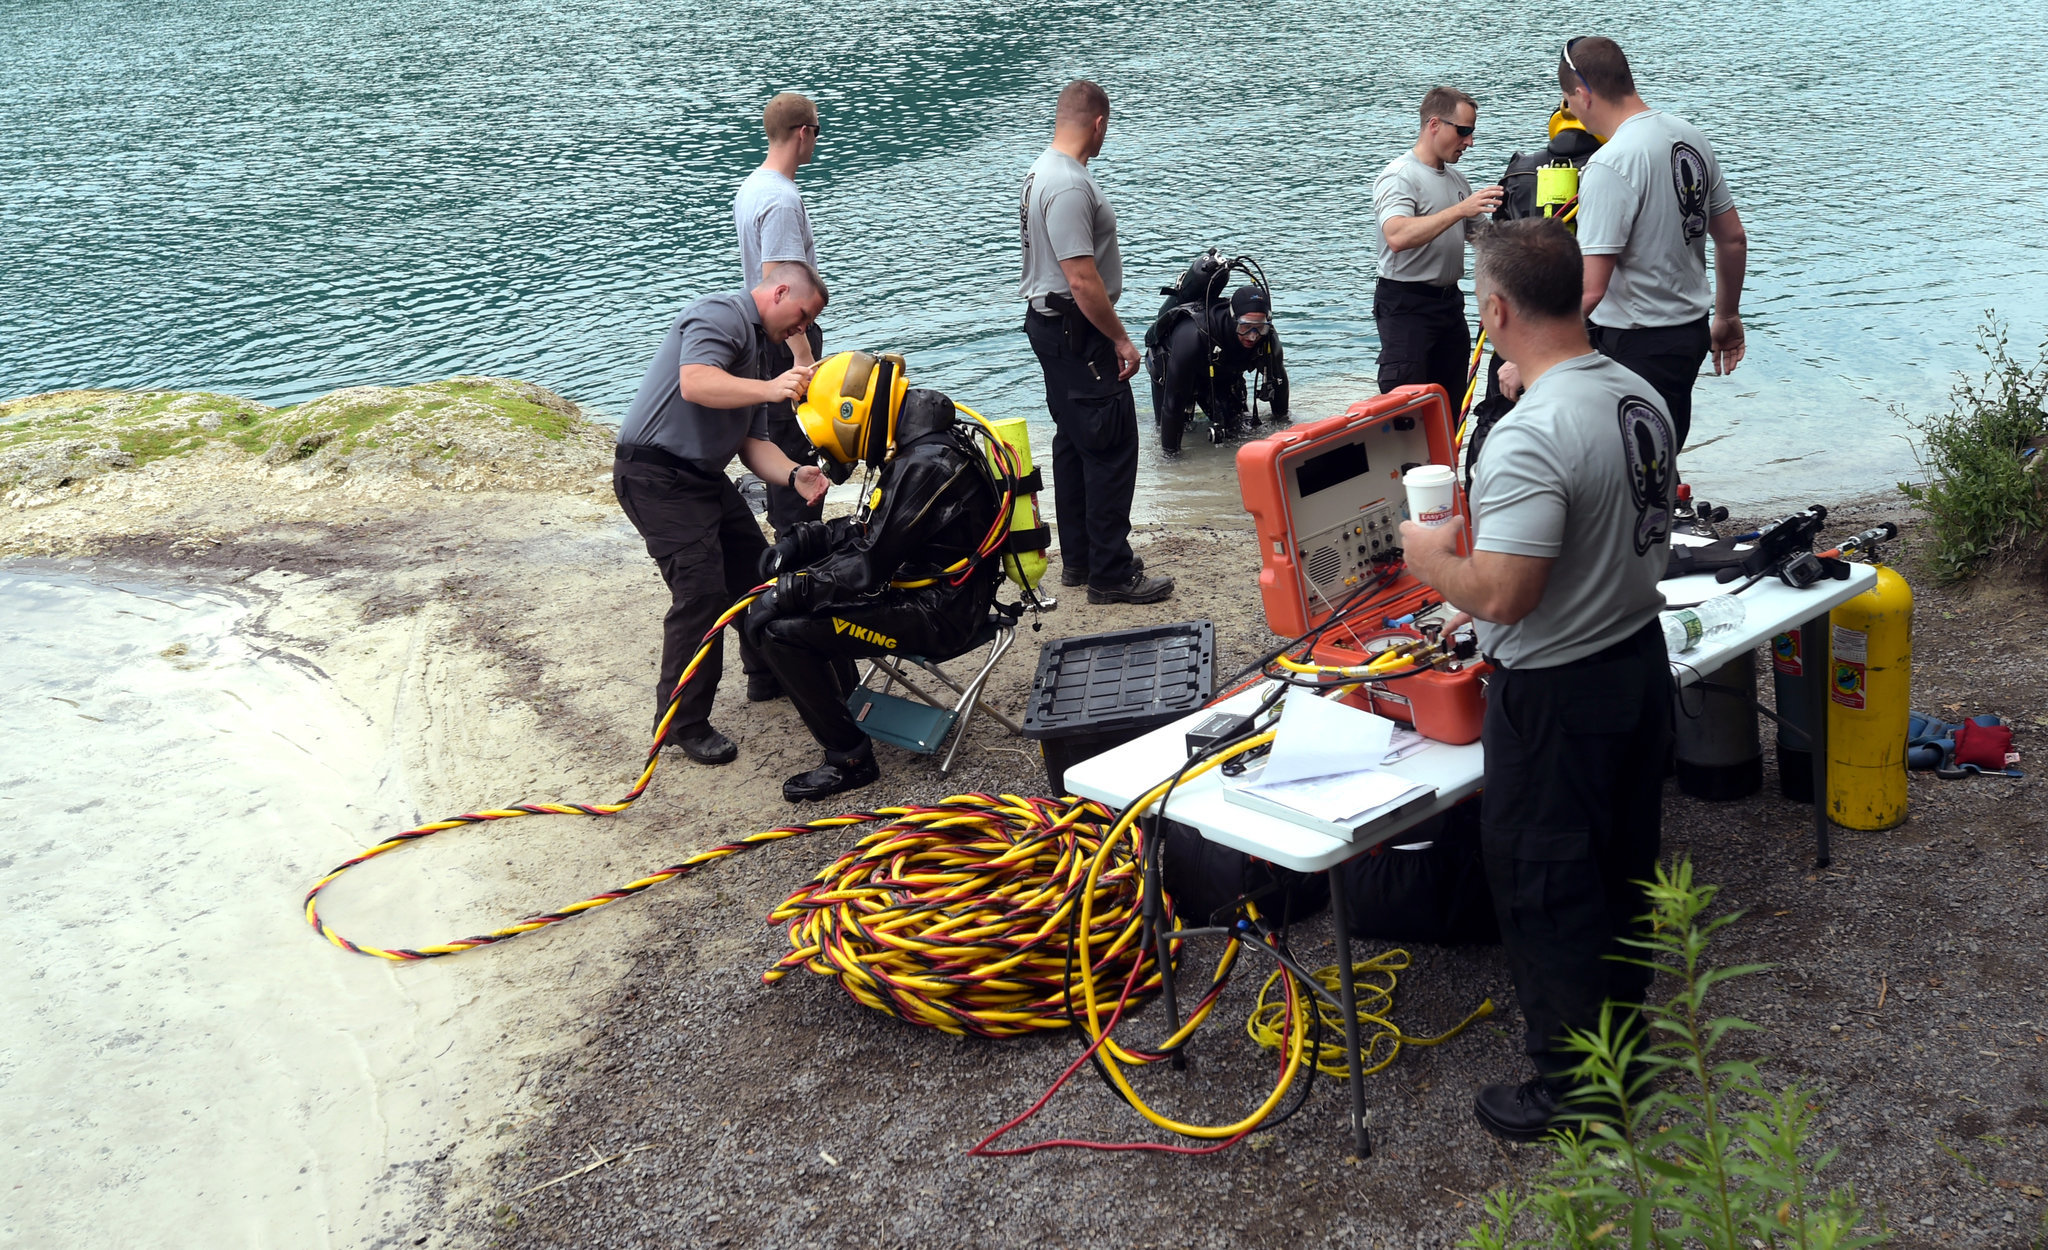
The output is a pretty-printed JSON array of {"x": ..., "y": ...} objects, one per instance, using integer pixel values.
[
  {"x": 1689, "y": 180},
  {"x": 1024, "y": 213},
  {"x": 1651, "y": 461}
]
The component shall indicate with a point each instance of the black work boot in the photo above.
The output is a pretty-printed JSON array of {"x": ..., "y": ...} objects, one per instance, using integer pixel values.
[
  {"x": 763, "y": 687},
  {"x": 1071, "y": 576},
  {"x": 706, "y": 745},
  {"x": 841, "y": 771},
  {"x": 1525, "y": 1112},
  {"x": 1137, "y": 588}
]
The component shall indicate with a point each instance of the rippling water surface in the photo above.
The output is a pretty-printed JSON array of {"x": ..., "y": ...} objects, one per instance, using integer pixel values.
[{"x": 277, "y": 199}]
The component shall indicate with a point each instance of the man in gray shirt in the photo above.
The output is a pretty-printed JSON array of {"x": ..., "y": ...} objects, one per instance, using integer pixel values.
[
  {"x": 1426, "y": 211},
  {"x": 1073, "y": 276},
  {"x": 1648, "y": 201},
  {"x": 700, "y": 403},
  {"x": 1572, "y": 513},
  {"x": 768, "y": 215}
]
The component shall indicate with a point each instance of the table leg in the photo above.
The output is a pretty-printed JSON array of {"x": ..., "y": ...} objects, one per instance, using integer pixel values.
[
  {"x": 1816, "y": 652},
  {"x": 1347, "y": 997},
  {"x": 1154, "y": 912}
]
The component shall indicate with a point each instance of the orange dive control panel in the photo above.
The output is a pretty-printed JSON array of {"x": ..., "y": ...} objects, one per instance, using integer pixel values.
[{"x": 1327, "y": 503}]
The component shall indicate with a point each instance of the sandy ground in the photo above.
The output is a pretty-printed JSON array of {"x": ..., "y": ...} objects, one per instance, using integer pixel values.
[{"x": 499, "y": 647}]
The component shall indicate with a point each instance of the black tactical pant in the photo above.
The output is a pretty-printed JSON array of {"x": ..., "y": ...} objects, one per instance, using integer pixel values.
[
  {"x": 1094, "y": 447},
  {"x": 812, "y": 653},
  {"x": 1570, "y": 820},
  {"x": 1667, "y": 357},
  {"x": 708, "y": 546},
  {"x": 786, "y": 506},
  {"x": 1423, "y": 336}
]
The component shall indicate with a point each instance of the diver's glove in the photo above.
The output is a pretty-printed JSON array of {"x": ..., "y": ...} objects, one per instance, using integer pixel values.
[
  {"x": 794, "y": 592},
  {"x": 806, "y": 543}
]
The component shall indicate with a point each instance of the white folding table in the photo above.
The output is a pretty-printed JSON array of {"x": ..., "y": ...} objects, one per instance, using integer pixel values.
[{"x": 1117, "y": 777}]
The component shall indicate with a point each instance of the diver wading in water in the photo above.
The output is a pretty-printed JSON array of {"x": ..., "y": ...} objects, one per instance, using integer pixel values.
[{"x": 1202, "y": 344}]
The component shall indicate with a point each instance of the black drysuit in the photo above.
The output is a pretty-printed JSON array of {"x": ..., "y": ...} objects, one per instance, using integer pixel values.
[
  {"x": 1194, "y": 357},
  {"x": 936, "y": 504}
]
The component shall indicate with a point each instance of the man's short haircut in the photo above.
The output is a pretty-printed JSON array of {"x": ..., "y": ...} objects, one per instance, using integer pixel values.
[
  {"x": 1533, "y": 264},
  {"x": 785, "y": 113},
  {"x": 1605, "y": 69},
  {"x": 1443, "y": 102},
  {"x": 1081, "y": 102},
  {"x": 801, "y": 279}
]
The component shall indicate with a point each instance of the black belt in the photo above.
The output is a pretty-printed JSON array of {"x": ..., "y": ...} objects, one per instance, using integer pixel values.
[
  {"x": 1424, "y": 288},
  {"x": 655, "y": 455}
]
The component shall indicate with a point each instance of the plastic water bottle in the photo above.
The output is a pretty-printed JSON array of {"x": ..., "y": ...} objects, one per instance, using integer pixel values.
[{"x": 1687, "y": 628}]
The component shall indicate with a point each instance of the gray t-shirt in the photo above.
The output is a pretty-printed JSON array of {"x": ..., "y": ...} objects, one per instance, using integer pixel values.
[
  {"x": 1062, "y": 215},
  {"x": 1581, "y": 472},
  {"x": 1644, "y": 199},
  {"x": 1409, "y": 188},
  {"x": 723, "y": 331},
  {"x": 772, "y": 224}
]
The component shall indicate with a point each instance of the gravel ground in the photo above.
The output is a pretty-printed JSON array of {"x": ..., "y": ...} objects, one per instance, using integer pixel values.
[{"x": 1907, "y": 994}]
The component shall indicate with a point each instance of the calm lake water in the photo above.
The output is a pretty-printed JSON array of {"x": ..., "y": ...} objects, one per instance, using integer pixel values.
[{"x": 279, "y": 198}]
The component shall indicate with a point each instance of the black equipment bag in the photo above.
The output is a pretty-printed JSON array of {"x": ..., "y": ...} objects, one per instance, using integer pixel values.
[
  {"x": 1205, "y": 879},
  {"x": 1426, "y": 885}
]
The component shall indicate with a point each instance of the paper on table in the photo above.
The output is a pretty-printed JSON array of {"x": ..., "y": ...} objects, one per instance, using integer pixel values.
[
  {"x": 1338, "y": 799},
  {"x": 1319, "y": 737},
  {"x": 1405, "y": 743}
]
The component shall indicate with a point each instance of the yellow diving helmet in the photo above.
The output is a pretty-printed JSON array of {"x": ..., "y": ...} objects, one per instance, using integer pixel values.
[
  {"x": 1564, "y": 119},
  {"x": 841, "y": 416}
]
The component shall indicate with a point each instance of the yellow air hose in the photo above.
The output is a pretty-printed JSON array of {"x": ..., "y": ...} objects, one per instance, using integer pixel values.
[{"x": 979, "y": 914}]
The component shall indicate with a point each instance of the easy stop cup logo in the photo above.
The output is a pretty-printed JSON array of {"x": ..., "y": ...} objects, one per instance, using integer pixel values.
[
  {"x": 1785, "y": 655},
  {"x": 1848, "y": 684}
]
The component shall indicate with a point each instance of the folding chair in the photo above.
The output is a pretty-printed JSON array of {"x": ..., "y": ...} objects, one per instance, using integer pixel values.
[{"x": 922, "y": 723}]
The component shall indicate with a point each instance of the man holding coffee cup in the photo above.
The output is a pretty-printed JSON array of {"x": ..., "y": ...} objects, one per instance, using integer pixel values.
[{"x": 1572, "y": 512}]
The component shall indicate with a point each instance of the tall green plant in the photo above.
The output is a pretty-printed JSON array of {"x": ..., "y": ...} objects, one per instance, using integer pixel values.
[
  {"x": 1982, "y": 498},
  {"x": 1677, "y": 1145}
]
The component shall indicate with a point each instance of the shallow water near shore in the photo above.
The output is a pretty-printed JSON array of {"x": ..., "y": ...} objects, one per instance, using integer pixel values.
[
  {"x": 279, "y": 200},
  {"x": 185, "y": 1064}
]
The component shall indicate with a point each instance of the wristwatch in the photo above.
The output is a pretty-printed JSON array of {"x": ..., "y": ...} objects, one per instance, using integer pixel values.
[{"x": 792, "y": 475}]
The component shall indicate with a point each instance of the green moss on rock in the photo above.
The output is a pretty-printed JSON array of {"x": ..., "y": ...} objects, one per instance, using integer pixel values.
[{"x": 432, "y": 429}]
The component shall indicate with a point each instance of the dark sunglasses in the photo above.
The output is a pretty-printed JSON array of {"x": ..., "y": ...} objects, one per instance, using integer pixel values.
[
  {"x": 1574, "y": 65},
  {"x": 1464, "y": 132}
]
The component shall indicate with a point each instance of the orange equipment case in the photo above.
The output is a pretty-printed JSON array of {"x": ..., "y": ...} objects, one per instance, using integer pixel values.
[{"x": 1327, "y": 502}]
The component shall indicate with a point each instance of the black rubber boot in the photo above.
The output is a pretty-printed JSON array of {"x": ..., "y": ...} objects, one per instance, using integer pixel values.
[
  {"x": 834, "y": 777},
  {"x": 763, "y": 688}
]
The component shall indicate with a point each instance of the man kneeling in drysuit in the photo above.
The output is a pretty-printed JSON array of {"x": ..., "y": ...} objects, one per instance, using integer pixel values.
[{"x": 900, "y": 577}]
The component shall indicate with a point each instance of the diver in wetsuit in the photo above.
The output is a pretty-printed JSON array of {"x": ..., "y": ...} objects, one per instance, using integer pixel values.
[
  {"x": 900, "y": 578},
  {"x": 1198, "y": 355},
  {"x": 1544, "y": 183}
]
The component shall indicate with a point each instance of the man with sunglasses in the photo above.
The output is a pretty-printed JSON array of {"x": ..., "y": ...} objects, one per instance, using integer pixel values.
[
  {"x": 1649, "y": 200},
  {"x": 774, "y": 230},
  {"x": 1427, "y": 210}
]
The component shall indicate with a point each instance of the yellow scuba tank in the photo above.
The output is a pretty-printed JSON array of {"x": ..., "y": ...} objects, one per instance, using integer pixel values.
[
  {"x": 1556, "y": 185},
  {"x": 1869, "y": 700},
  {"x": 1024, "y": 565}
]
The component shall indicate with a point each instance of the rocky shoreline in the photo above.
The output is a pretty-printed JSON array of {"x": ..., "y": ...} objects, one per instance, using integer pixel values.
[{"x": 788, "y": 1115}]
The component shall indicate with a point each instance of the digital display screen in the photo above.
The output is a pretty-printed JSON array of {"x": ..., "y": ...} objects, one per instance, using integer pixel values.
[{"x": 1332, "y": 468}]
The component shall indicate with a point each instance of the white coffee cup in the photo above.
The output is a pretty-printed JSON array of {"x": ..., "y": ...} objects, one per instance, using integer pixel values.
[{"x": 1432, "y": 494}]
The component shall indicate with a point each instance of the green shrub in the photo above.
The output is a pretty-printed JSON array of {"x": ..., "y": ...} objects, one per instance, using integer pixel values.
[
  {"x": 1984, "y": 501},
  {"x": 1678, "y": 1146}
]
